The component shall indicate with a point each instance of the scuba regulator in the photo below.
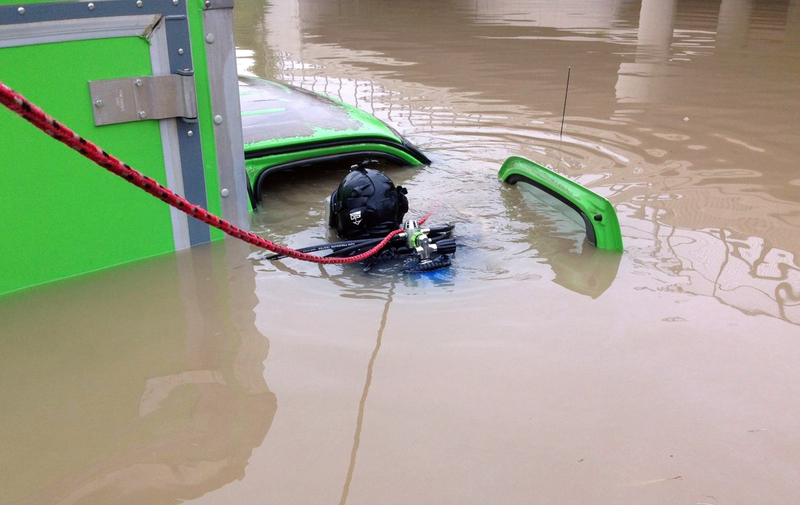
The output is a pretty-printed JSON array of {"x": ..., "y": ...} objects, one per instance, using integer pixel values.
[{"x": 425, "y": 248}]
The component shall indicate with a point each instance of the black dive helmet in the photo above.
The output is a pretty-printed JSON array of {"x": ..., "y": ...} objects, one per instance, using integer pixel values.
[{"x": 367, "y": 204}]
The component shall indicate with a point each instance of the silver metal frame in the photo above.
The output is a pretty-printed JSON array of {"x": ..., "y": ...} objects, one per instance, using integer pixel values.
[
  {"x": 223, "y": 80},
  {"x": 68, "y": 30},
  {"x": 170, "y": 144}
]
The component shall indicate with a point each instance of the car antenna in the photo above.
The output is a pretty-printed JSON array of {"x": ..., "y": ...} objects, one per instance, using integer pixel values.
[{"x": 563, "y": 112}]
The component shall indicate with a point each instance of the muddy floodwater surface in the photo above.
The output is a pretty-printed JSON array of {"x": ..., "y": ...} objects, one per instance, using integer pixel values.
[{"x": 537, "y": 369}]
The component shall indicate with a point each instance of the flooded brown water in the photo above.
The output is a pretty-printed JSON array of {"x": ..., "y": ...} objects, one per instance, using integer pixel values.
[{"x": 537, "y": 369}]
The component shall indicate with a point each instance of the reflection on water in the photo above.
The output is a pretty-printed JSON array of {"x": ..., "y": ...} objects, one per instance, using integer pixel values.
[
  {"x": 556, "y": 234},
  {"x": 140, "y": 385},
  {"x": 537, "y": 366},
  {"x": 644, "y": 80},
  {"x": 733, "y": 27},
  {"x": 363, "y": 402},
  {"x": 744, "y": 272}
]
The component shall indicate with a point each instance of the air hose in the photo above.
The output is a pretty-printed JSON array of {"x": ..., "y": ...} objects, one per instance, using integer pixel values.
[
  {"x": 439, "y": 235},
  {"x": 346, "y": 248}
]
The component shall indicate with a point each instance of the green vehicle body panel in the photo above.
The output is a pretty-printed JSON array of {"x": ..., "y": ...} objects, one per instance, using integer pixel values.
[
  {"x": 295, "y": 116},
  {"x": 599, "y": 216},
  {"x": 71, "y": 217}
]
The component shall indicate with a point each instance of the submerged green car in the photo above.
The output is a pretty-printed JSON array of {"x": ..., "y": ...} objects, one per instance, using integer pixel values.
[{"x": 287, "y": 127}]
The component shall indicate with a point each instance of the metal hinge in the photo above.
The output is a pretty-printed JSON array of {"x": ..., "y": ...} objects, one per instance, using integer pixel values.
[{"x": 142, "y": 98}]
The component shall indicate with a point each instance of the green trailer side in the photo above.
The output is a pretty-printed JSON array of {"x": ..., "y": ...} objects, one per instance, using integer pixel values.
[{"x": 64, "y": 215}]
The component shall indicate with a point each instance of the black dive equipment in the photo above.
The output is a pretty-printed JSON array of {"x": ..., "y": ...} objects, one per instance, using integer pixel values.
[{"x": 365, "y": 208}]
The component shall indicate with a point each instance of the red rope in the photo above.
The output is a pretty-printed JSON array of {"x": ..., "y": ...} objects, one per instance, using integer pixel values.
[{"x": 37, "y": 117}]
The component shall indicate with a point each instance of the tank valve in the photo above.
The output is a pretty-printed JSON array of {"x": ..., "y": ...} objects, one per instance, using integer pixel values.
[{"x": 418, "y": 240}]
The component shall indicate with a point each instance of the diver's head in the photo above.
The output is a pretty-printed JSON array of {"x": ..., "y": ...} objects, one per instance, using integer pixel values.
[{"x": 367, "y": 204}]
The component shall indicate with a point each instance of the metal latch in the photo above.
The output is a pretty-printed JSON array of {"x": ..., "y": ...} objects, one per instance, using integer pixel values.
[{"x": 142, "y": 98}]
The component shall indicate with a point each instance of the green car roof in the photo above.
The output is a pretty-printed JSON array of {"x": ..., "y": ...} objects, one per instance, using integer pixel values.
[{"x": 275, "y": 115}]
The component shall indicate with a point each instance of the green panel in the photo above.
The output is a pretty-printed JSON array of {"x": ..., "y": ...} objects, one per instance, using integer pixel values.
[
  {"x": 69, "y": 216},
  {"x": 195, "y": 10},
  {"x": 597, "y": 212}
]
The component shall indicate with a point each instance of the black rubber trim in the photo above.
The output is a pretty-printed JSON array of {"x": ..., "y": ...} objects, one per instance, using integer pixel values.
[
  {"x": 515, "y": 178},
  {"x": 250, "y": 196},
  {"x": 405, "y": 146},
  {"x": 332, "y": 158},
  {"x": 415, "y": 152}
]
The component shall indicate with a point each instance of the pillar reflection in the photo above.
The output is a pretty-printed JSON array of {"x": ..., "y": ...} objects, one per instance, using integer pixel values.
[
  {"x": 145, "y": 381},
  {"x": 733, "y": 24},
  {"x": 792, "y": 32},
  {"x": 644, "y": 80}
]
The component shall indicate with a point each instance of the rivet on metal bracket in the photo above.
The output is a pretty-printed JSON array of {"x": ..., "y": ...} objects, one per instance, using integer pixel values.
[
  {"x": 139, "y": 3},
  {"x": 217, "y": 119},
  {"x": 90, "y": 6},
  {"x": 210, "y": 38},
  {"x": 21, "y": 11},
  {"x": 180, "y": 50},
  {"x": 190, "y": 133},
  {"x": 98, "y": 103},
  {"x": 224, "y": 192},
  {"x": 142, "y": 114},
  {"x": 218, "y": 4}
]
